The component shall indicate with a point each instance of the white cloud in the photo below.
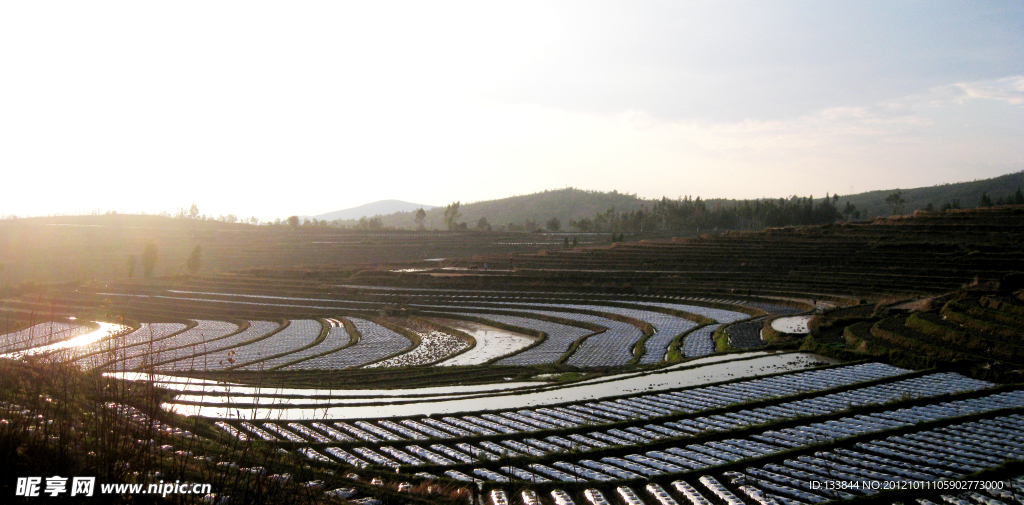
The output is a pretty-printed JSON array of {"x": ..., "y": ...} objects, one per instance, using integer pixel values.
[{"x": 1008, "y": 89}]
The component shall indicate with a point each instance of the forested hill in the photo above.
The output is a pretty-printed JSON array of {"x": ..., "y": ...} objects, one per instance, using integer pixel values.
[
  {"x": 872, "y": 203},
  {"x": 565, "y": 204},
  {"x": 527, "y": 212}
]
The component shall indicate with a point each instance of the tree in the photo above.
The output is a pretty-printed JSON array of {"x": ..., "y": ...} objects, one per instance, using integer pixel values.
[
  {"x": 193, "y": 211},
  {"x": 195, "y": 260},
  {"x": 293, "y": 221},
  {"x": 421, "y": 215},
  {"x": 373, "y": 223},
  {"x": 149, "y": 256},
  {"x": 483, "y": 225},
  {"x": 850, "y": 210},
  {"x": 554, "y": 224},
  {"x": 451, "y": 215},
  {"x": 583, "y": 225},
  {"x": 896, "y": 202},
  {"x": 948, "y": 206},
  {"x": 984, "y": 200}
]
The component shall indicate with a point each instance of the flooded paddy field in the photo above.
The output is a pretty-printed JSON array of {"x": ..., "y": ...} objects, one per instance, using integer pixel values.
[
  {"x": 491, "y": 343},
  {"x": 682, "y": 437},
  {"x": 796, "y": 325},
  {"x": 318, "y": 404},
  {"x": 616, "y": 400}
]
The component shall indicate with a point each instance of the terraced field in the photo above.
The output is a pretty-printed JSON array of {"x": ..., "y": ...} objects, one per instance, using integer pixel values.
[
  {"x": 598, "y": 333},
  {"x": 40, "y": 335},
  {"x": 752, "y": 439},
  {"x": 645, "y": 373}
]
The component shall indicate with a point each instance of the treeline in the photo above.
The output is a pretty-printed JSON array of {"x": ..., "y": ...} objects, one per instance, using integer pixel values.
[
  {"x": 1014, "y": 199},
  {"x": 561, "y": 210},
  {"x": 694, "y": 214},
  {"x": 983, "y": 201},
  {"x": 962, "y": 195}
]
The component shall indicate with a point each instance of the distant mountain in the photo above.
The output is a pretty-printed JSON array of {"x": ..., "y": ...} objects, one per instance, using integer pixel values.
[
  {"x": 381, "y": 208},
  {"x": 565, "y": 204},
  {"x": 573, "y": 204}
]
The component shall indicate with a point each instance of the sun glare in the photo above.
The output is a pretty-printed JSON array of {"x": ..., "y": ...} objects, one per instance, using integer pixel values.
[{"x": 105, "y": 330}]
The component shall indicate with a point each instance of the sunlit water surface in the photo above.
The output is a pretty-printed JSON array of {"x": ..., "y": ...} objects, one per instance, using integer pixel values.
[
  {"x": 311, "y": 407},
  {"x": 105, "y": 330}
]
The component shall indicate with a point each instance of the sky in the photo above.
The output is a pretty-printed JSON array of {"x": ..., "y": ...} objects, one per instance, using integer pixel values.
[{"x": 270, "y": 109}]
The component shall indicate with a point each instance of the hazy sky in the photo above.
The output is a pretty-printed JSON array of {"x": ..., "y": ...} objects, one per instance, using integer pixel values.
[{"x": 279, "y": 108}]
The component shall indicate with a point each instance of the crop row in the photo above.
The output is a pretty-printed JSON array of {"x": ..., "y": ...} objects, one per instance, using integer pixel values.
[
  {"x": 950, "y": 453},
  {"x": 102, "y": 351},
  {"x": 200, "y": 338},
  {"x": 616, "y": 345},
  {"x": 666, "y": 328},
  {"x": 645, "y": 407},
  {"x": 613, "y": 346},
  {"x": 946, "y": 452},
  {"x": 337, "y": 339},
  {"x": 700, "y": 342},
  {"x": 248, "y": 354},
  {"x": 211, "y": 353},
  {"x": 584, "y": 440},
  {"x": 41, "y": 334},
  {"x": 375, "y": 343}
]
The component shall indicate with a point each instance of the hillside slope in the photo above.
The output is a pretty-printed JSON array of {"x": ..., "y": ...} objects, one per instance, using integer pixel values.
[
  {"x": 565, "y": 204},
  {"x": 872, "y": 203},
  {"x": 379, "y": 208},
  {"x": 923, "y": 254},
  {"x": 573, "y": 204}
]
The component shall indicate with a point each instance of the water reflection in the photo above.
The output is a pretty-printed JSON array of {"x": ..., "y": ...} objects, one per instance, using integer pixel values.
[
  {"x": 105, "y": 330},
  {"x": 491, "y": 343},
  {"x": 741, "y": 366},
  {"x": 198, "y": 386}
]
